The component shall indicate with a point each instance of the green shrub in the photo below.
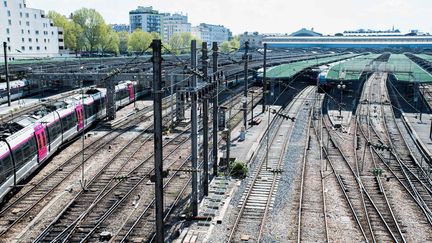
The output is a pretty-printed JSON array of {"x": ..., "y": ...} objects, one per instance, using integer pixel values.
[{"x": 238, "y": 169}]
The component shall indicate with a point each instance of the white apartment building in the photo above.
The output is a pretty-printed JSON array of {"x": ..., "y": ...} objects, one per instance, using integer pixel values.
[
  {"x": 176, "y": 23},
  {"x": 211, "y": 33},
  {"x": 28, "y": 32}
]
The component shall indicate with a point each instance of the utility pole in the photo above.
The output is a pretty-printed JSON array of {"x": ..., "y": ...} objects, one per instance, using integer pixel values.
[
  {"x": 111, "y": 110},
  {"x": 7, "y": 73},
  {"x": 245, "y": 91},
  {"x": 264, "y": 78},
  {"x": 172, "y": 101},
  {"x": 157, "y": 121},
  {"x": 205, "y": 119},
  {"x": 194, "y": 134},
  {"x": 215, "y": 110}
]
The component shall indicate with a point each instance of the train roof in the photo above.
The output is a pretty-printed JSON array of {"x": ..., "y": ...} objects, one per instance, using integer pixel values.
[{"x": 13, "y": 84}]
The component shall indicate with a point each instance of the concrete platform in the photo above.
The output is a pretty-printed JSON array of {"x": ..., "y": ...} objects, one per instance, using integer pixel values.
[
  {"x": 17, "y": 105},
  {"x": 420, "y": 131},
  {"x": 245, "y": 150},
  {"x": 221, "y": 189}
]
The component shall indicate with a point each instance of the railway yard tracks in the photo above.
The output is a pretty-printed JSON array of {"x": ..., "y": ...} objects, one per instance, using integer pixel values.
[
  {"x": 31, "y": 200},
  {"x": 121, "y": 182},
  {"x": 366, "y": 173},
  {"x": 258, "y": 198}
]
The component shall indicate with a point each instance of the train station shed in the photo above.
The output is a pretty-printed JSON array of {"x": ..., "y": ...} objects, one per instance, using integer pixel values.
[
  {"x": 351, "y": 69},
  {"x": 405, "y": 70},
  {"x": 287, "y": 71}
]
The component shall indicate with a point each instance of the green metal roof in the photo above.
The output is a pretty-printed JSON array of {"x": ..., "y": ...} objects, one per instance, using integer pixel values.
[
  {"x": 351, "y": 69},
  {"x": 406, "y": 70},
  {"x": 425, "y": 56},
  {"x": 291, "y": 69}
]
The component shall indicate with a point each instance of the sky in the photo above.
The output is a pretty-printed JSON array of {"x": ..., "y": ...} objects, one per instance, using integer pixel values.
[{"x": 269, "y": 16}]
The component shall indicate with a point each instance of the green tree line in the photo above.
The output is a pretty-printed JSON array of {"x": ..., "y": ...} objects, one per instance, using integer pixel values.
[{"x": 87, "y": 31}]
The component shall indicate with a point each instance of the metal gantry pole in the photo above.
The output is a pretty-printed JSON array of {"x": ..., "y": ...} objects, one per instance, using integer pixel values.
[
  {"x": 157, "y": 119},
  {"x": 264, "y": 79},
  {"x": 205, "y": 121},
  {"x": 172, "y": 101},
  {"x": 7, "y": 73},
  {"x": 215, "y": 110},
  {"x": 194, "y": 121},
  {"x": 245, "y": 91}
]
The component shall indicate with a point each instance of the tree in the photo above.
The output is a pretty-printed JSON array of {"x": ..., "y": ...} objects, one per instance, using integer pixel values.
[
  {"x": 93, "y": 28},
  {"x": 232, "y": 45},
  {"x": 176, "y": 43},
  {"x": 110, "y": 41},
  {"x": 71, "y": 31},
  {"x": 123, "y": 41},
  {"x": 155, "y": 36},
  {"x": 225, "y": 47},
  {"x": 139, "y": 41}
]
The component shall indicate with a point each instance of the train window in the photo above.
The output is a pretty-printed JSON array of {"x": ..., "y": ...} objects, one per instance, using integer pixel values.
[
  {"x": 69, "y": 121},
  {"x": 6, "y": 168},
  {"x": 54, "y": 130}
]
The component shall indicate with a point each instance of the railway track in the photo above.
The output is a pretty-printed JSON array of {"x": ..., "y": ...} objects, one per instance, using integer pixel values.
[
  {"x": 31, "y": 202},
  {"x": 260, "y": 192},
  {"x": 106, "y": 192},
  {"x": 312, "y": 208},
  {"x": 87, "y": 225},
  {"x": 404, "y": 165},
  {"x": 378, "y": 206}
]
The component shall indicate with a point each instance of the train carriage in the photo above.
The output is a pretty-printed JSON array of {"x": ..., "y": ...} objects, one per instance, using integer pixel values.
[
  {"x": 36, "y": 139},
  {"x": 6, "y": 169}
]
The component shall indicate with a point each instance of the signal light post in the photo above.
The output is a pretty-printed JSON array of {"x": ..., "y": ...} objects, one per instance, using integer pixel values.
[{"x": 7, "y": 73}]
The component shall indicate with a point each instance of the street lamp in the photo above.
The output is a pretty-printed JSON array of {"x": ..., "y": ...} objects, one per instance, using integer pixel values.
[
  {"x": 341, "y": 87},
  {"x": 252, "y": 92}
]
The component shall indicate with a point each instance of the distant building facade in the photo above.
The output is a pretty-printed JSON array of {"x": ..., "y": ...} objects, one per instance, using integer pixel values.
[
  {"x": 120, "y": 27},
  {"x": 146, "y": 19},
  {"x": 175, "y": 23},
  {"x": 255, "y": 40},
  {"x": 28, "y": 32},
  {"x": 211, "y": 33}
]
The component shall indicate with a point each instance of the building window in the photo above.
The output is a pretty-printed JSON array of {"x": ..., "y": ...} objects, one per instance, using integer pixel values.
[
  {"x": 21, "y": 14},
  {"x": 20, "y": 5},
  {"x": 9, "y": 14},
  {"x": 5, "y": 3},
  {"x": 38, "y": 48},
  {"x": 22, "y": 31},
  {"x": 30, "y": 48},
  {"x": 37, "y": 32},
  {"x": 37, "y": 40},
  {"x": 7, "y": 31},
  {"x": 27, "y": 23},
  {"x": 27, "y": 15},
  {"x": 8, "y": 39},
  {"x": 35, "y": 16},
  {"x": 23, "y": 48},
  {"x": 20, "y": 22},
  {"x": 9, "y": 22},
  {"x": 9, "y": 48},
  {"x": 22, "y": 39},
  {"x": 30, "y": 39},
  {"x": 28, "y": 31},
  {"x": 45, "y": 48}
]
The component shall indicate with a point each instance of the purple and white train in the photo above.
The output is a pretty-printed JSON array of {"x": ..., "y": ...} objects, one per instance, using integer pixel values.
[{"x": 30, "y": 140}]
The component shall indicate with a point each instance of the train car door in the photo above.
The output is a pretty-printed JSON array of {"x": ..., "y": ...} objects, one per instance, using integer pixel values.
[
  {"x": 80, "y": 116},
  {"x": 41, "y": 141},
  {"x": 131, "y": 92}
]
